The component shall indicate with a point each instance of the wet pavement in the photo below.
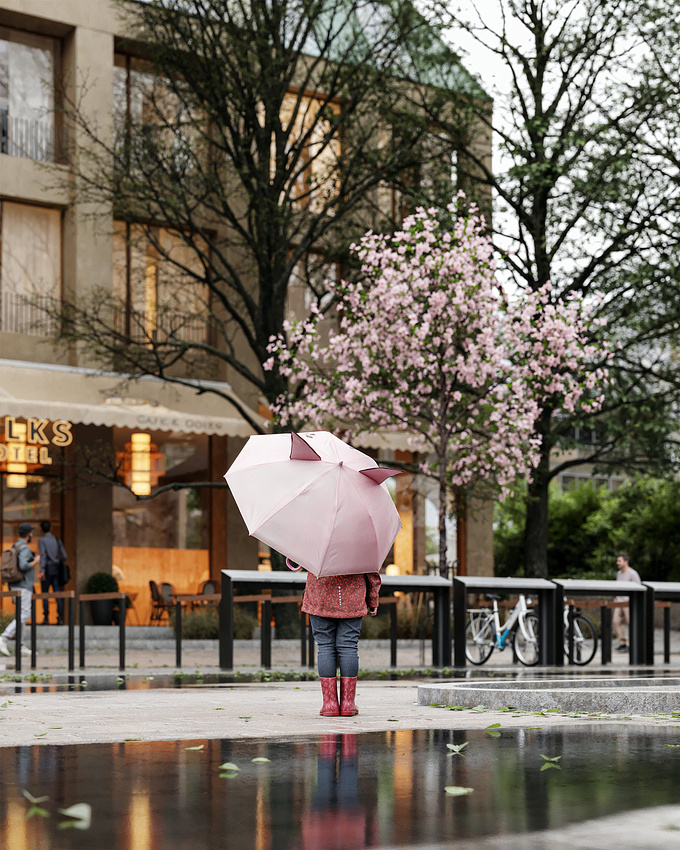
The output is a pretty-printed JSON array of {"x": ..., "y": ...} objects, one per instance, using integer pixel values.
[
  {"x": 143, "y": 749},
  {"x": 333, "y": 791}
]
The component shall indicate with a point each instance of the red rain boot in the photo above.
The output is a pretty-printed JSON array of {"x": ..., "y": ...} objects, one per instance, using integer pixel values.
[
  {"x": 348, "y": 689},
  {"x": 329, "y": 691}
]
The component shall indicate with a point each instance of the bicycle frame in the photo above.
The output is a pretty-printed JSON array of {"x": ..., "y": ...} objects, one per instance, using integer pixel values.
[{"x": 518, "y": 613}]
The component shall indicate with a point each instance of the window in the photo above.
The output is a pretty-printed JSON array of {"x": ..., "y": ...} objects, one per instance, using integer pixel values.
[
  {"x": 30, "y": 266},
  {"x": 151, "y": 122},
  {"x": 314, "y": 179},
  {"x": 27, "y": 81},
  {"x": 157, "y": 281}
]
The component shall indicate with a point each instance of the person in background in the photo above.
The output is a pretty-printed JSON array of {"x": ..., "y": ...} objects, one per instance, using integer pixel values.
[
  {"x": 51, "y": 553},
  {"x": 335, "y": 605},
  {"x": 27, "y": 562},
  {"x": 621, "y": 615}
]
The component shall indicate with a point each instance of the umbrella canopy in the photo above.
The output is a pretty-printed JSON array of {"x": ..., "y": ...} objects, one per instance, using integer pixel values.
[{"x": 316, "y": 500}]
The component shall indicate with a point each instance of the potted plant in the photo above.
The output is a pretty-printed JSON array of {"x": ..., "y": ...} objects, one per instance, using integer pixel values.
[{"x": 102, "y": 610}]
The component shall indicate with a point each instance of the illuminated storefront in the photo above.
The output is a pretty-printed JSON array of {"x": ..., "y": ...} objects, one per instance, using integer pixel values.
[{"x": 68, "y": 435}]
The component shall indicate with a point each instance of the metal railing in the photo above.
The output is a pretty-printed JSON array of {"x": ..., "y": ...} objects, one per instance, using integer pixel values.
[
  {"x": 32, "y": 139},
  {"x": 26, "y": 314},
  {"x": 145, "y": 327}
]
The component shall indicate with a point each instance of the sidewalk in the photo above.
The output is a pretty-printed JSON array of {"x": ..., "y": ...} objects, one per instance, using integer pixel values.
[{"x": 147, "y": 656}]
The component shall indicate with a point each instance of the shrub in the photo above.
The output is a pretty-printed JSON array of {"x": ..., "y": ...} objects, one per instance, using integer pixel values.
[
  {"x": 101, "y": 583},
  {"x": 410, "y": 622},
  {"x": 204, "y": 624}
]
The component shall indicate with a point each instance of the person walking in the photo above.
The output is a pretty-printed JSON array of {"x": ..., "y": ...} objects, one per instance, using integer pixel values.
[
  {"x": 335, "y": 605},
  {"x": 622, "y": 614},
  {"x": 27, "y": 561},
  {"x": 52, "y": 555}
]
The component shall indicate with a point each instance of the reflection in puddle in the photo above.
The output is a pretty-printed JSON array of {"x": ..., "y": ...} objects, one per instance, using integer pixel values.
[{"x": 333, "y": 791}]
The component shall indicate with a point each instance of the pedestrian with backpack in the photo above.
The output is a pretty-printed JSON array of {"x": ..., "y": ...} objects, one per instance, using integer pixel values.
[
  {"x": 52, "y": 568},
  {"x": 26, "y": 561}
]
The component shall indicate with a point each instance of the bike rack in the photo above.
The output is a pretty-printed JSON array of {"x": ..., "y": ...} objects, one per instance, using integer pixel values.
[{"x": 545, "y": 591}]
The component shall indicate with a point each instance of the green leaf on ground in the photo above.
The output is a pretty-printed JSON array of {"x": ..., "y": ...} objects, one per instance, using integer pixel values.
[
  {"x": 457, "y": 790},
  {"x": 195, "y": 749},
  {"x": 230, "y": 766},
  {"x": 493, "y": 730},
  {"x": 36, "y": 811},
  {"x": 457, "y": 748},
  {"x": 260, "y": 760},
  {"x": 456, "y": 708}
]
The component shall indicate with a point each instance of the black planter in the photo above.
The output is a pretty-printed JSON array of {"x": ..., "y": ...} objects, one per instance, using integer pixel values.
[{"x": 102, "y": 612}]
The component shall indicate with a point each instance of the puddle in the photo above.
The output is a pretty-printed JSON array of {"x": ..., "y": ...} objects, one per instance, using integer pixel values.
[
  {"x": 52, "y": 682},
  {"x": 338, "y": 791}
]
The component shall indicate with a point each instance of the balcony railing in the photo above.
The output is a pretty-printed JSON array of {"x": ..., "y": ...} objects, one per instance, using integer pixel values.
[
  {"x": 143, "y": 328},
  {"x": 39, "y": 140},
  {"x": 33, "y": 315}
]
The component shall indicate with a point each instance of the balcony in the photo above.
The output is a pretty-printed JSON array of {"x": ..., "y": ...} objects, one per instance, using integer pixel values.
[
  {"x": 31, "y": 139},
  {"x": 33, "y": 315},
  {"x": 147, "y": 327}
]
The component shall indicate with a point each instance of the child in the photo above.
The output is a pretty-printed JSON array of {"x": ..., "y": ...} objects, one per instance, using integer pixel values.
[{"x": 336, "y": 605}]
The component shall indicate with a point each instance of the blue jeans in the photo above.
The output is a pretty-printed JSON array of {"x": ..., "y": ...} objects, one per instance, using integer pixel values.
[
  {"x": 338, "y": 641},
  {"x": 52, "y": 579}
]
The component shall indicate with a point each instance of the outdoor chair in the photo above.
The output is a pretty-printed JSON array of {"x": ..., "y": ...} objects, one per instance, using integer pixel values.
[
  {"x": 159, "y": 607},
  {"x": 205, "y": 588}
]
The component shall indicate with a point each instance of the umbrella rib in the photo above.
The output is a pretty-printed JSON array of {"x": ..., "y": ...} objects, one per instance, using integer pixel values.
[
  {"x": 370, "y": 515},
  {"x": 335, "y": 514}
]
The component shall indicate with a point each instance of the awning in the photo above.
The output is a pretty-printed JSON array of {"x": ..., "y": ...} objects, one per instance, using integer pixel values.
[{"x": 45, "y": 391}]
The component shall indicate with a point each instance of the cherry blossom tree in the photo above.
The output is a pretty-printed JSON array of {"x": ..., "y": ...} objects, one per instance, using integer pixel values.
[{"x": 429, "y": 342}]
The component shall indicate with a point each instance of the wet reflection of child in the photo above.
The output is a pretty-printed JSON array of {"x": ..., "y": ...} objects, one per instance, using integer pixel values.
[
  {"x": 337, "y": 818},
  {"x": 336, "y": 605}
]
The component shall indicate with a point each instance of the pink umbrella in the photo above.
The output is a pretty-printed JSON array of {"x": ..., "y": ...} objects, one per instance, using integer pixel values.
[{"x": 316, "y": 500}]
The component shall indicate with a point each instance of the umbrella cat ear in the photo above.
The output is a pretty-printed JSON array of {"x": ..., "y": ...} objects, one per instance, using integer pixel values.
[
  {"x": 379, "y": 474},
  {"x": 300, "y": 449}
]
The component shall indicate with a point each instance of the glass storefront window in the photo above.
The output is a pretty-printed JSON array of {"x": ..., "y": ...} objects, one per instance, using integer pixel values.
[{"x": 175, "y": 519}]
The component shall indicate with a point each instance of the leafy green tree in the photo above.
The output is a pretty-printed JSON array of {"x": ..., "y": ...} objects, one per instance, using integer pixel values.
[
  {"x": 589, "y": 526},
  {"x": 585, "y": 200}
]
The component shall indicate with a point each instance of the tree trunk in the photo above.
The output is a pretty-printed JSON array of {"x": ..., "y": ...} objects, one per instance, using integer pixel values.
[
  {"x": 536, "y": 528},
  {"x": 442, "y": 514}
]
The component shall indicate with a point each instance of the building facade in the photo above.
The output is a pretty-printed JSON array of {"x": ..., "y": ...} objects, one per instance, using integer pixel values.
[{"x": 66, "y": 427}]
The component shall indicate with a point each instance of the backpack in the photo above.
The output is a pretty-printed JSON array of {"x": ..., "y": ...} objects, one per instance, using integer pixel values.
[{"x": 9, "y": 566}]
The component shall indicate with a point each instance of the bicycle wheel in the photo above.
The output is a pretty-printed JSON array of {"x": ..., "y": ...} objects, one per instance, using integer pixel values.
[
  {"x": 526, "y": 640},
  {"x": 479, "y": 638},
  {"x": 585, "y": 640}
]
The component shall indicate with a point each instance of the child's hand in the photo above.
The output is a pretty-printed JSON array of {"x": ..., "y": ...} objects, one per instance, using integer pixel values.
[{"x": 373, "y": 611}]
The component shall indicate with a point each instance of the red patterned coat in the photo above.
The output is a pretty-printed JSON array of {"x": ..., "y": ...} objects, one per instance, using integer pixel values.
[{"x": 341, "y": 597}]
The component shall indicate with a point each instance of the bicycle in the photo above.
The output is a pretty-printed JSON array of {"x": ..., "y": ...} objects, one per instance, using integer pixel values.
[
  {"x": 483, "y": 632},
  {"x": 585, "y": 636}
]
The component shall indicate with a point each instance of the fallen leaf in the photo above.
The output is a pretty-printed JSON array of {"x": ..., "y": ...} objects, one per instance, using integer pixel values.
[
  {"x": 81, "y": 814},
  {"x": 32, "y": 799},
  {"x": 457, "y": 790}
]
